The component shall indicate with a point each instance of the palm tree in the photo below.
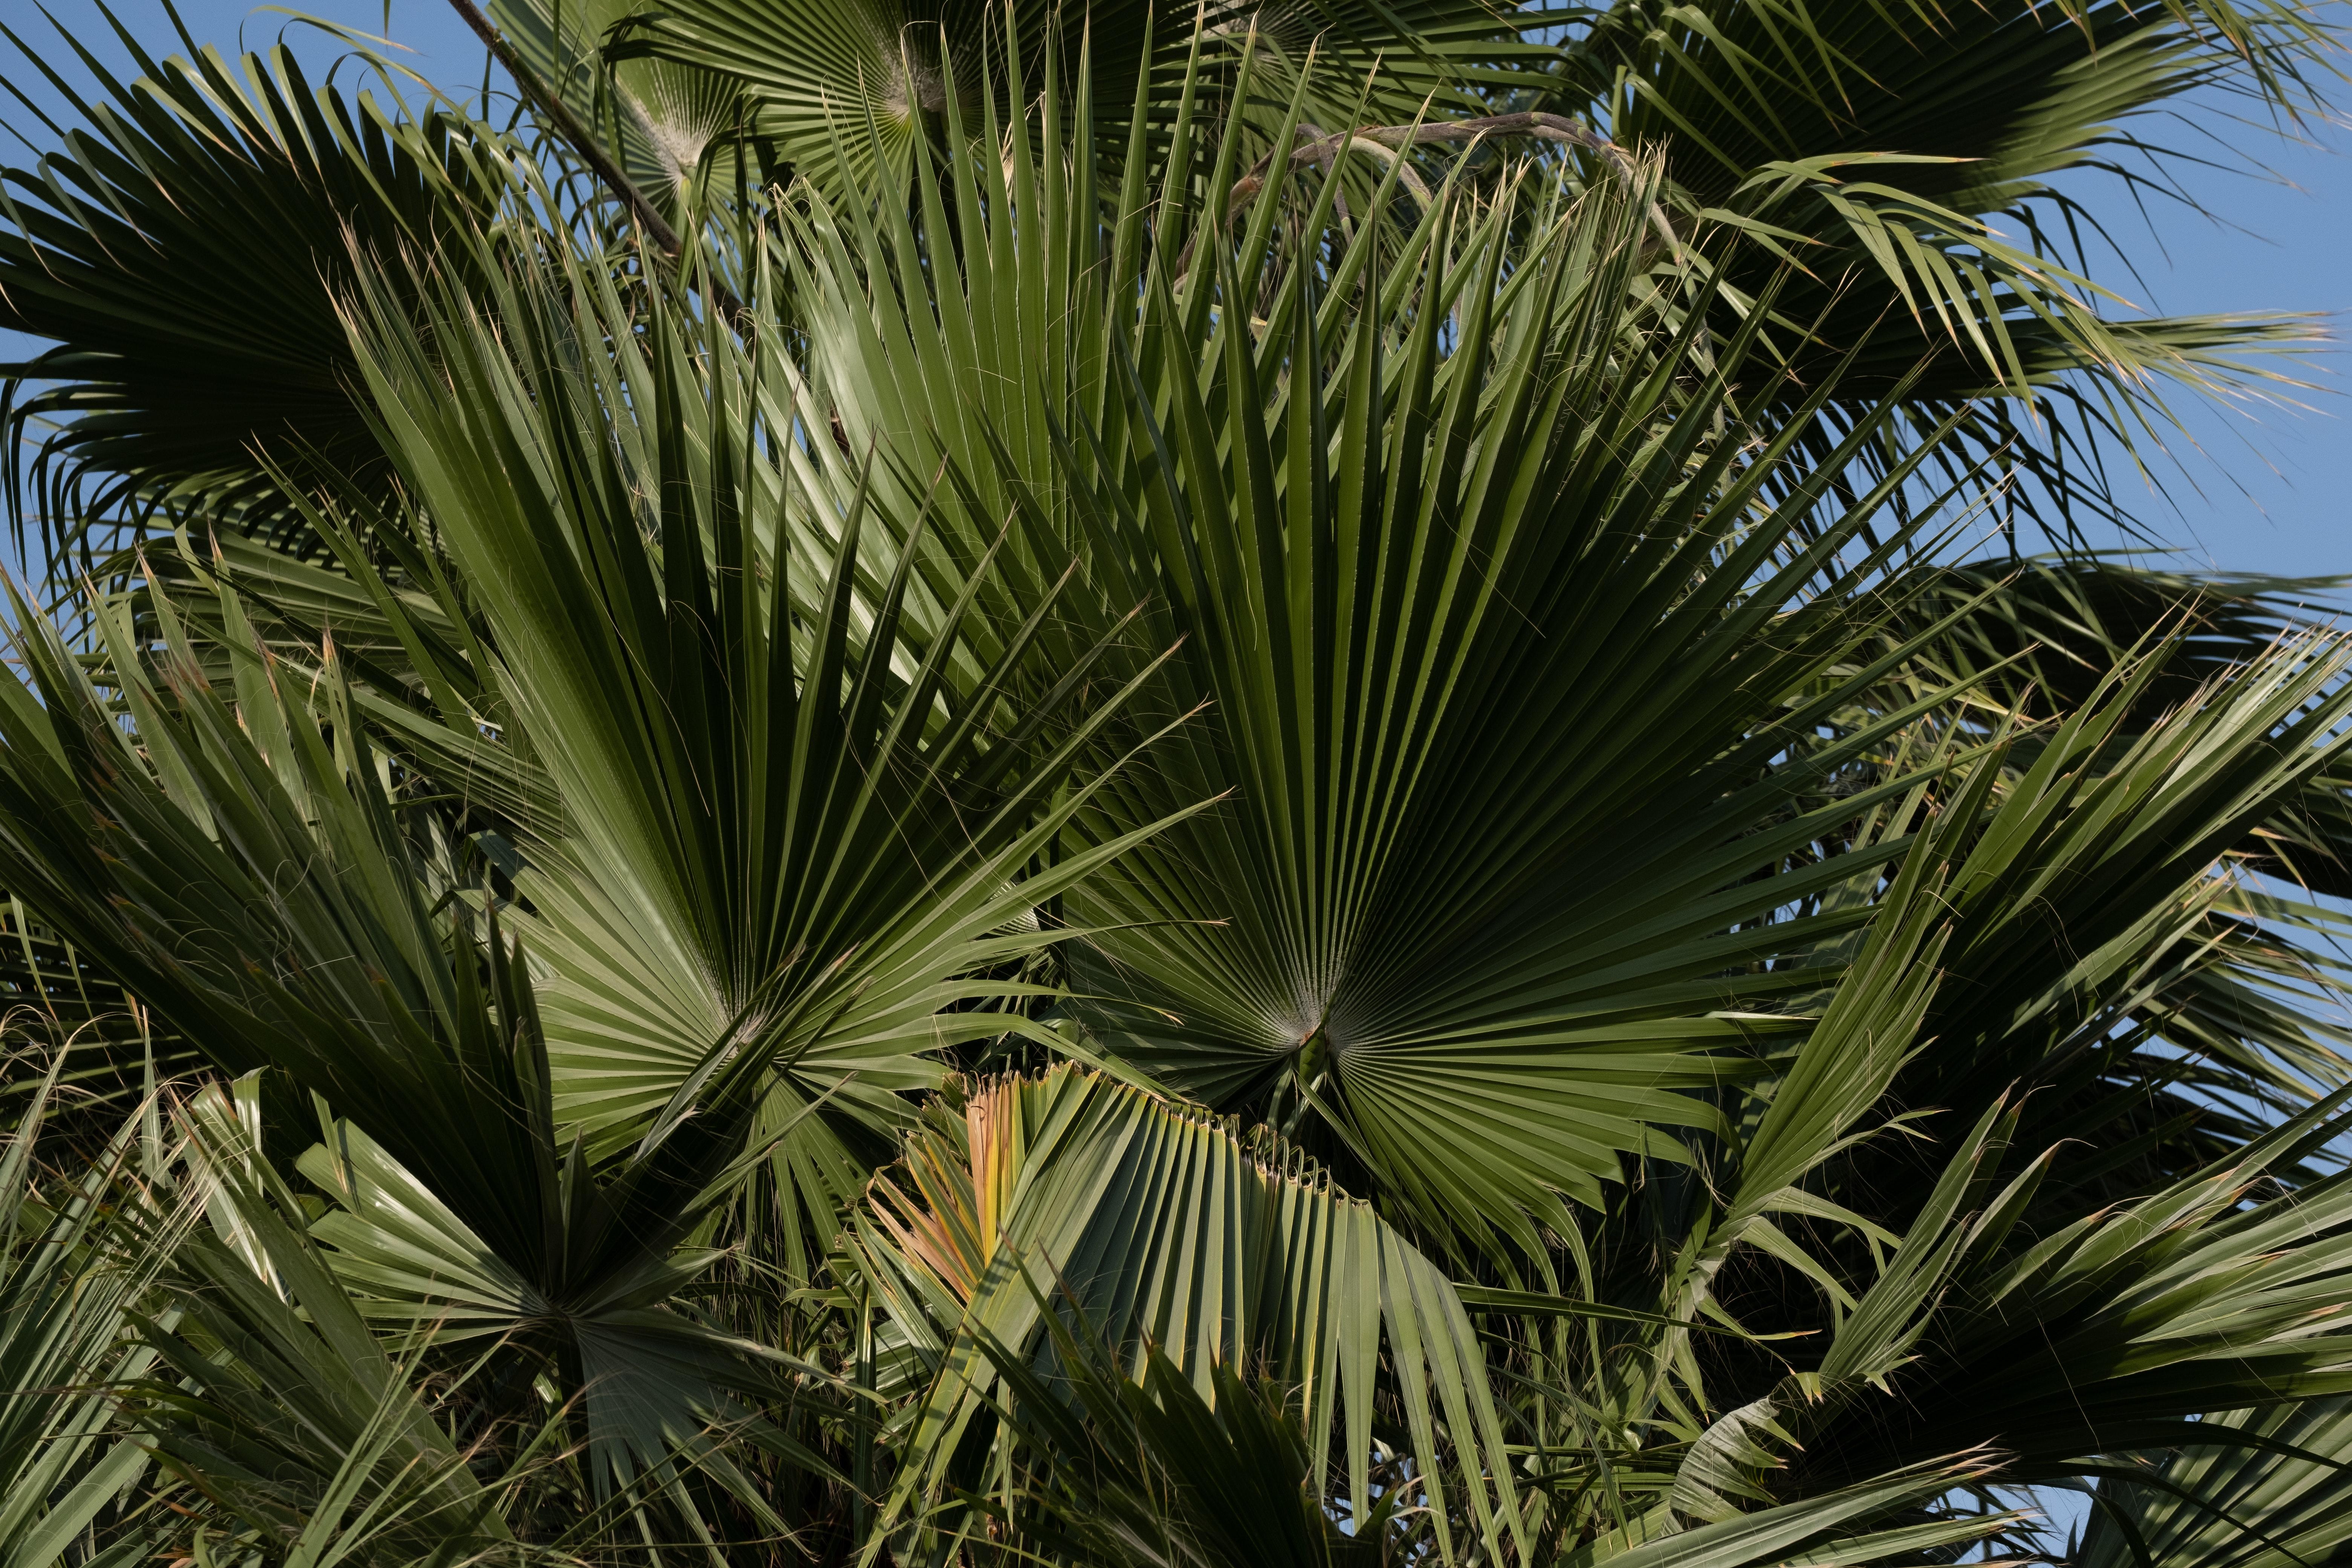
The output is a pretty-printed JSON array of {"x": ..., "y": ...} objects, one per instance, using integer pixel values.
[{"x": 1154, "y": 788}]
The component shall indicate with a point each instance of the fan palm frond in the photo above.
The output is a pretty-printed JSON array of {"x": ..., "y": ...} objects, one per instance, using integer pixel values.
[{"x": 184, "y": 249}]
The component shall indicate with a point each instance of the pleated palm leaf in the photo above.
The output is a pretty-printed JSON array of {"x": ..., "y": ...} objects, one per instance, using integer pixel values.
[
  {"x": 878, "y": 839},
  {"x": 1906, "y": 158},
  {"x": 883, "y": 77},
  {"x": 1171, "y": 857},
  {"x": 1963, "y": 1318},
  {"x": 1196, "y": 1254},
  {"x": 2233, "y": 1508},
  {"x": 1546, "y": 998},
  {"x": 68, "y": 1295},
  {"x": 303, "y": 1429},
  {"x": 682, "y": 136},
  {"x": 1144, "y": 1469},
  {"x": 1919, "y": 214},
  {"x": 1406, "y": 534},
  {"x": 183, "y": 248}
]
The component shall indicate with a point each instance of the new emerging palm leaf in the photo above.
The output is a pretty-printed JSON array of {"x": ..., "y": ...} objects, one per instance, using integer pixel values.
[{"x": 1155, "y": 788}]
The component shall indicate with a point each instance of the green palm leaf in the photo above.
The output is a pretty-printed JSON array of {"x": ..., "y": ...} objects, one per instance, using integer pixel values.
[
  {"x": 2277, "y": 1499},
  {"x": 283, "y": 1407},
  {"x": 1163, "y": 1229},
  {"x": 785, "y": 828},
  {"x": 184, "y": 249},
  {"x": 909, "y": 819},
  {"x": 1905, "y": 156},
  {"x": 68, "y": 1294},
  {"x": 1409, "y": 535},
  {"x": 845, "y": 90}
]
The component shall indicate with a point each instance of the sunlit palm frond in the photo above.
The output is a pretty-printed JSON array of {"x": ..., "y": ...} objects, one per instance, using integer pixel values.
[
  {"x": 68, "y": 1294},
  {"x": 1162, "y": 1229}
]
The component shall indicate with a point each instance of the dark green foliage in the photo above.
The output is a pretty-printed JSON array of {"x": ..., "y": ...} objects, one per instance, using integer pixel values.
[{"x": 1198, "y": 803}]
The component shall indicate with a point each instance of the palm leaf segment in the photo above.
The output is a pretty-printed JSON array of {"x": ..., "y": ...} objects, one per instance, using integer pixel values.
[
  {"x": 1904, "y": 155},
  {"x": 66, "y": 1296},
  {"x": 1409, "y": 580},
  {"x": 243, "y": 867},
  {"x": 1076, "y": 1194},
  {"x": 2119, "y": 1316},
  {"x": 740, "y": 862},
  {"x": 2172, "y": 1304},
  {"x": 271, "y": 1393},
  {"x": 797, "y": 77},
  {"x": 2278, "y": 1500},
  {"x": 184, "y": 249},
  {"x": 681, "y": 134}
]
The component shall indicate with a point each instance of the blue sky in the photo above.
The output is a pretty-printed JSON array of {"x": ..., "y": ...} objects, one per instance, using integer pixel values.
[{"x": 2256, "y": 489}]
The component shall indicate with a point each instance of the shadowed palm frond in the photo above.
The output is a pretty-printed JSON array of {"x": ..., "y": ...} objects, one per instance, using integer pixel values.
[{"x": 184, "y": 249}]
